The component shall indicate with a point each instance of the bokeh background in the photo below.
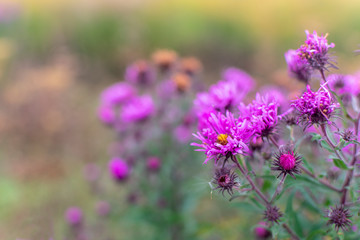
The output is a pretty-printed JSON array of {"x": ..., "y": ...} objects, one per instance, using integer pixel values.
[{"x": 57, "y": 56}]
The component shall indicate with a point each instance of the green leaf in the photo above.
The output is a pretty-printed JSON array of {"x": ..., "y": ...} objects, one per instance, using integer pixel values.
[
  {"x": 289, "y": 208},
  {"x": 307, "y": 165},
  {"x": 315, "y": 137},
  {"x": 236, "y": 196},
  {"x": 309, "y": 202},
  {"x": 298, "y": 142},
  {"x": 343, "y": 108},
  {"x": 315, "y": 233},
  {"x": 340, "y": 164},
  {"x": 341, "y": 144},
  {"x": 325, "y": 145},
  {"x": 294, "y": 221}
]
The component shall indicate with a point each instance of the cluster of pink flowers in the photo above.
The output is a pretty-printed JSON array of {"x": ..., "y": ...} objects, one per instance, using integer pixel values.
[
  {"x": 230, "y": 127},
  {"x": 315, "y": 107},
  {"x": 225, "y": 135},
  {"x": 315, "y": 51},
  {"x": 262, "y": 115},
  {"x": 297, "y": 66},
  {"x": 312, "y": 55},
  {"x": 227, "y": 93},
  {"x": 120, "y": 105}
]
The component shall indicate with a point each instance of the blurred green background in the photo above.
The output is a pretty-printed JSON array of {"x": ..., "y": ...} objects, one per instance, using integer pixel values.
[{"x": 57, "y": 56}]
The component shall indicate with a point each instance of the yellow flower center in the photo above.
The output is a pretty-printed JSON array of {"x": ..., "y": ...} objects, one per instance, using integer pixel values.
[{"x": 222, "y": 139}]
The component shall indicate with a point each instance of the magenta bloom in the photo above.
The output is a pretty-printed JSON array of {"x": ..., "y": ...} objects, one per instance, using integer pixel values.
[
  {"x": 106, "y": 114},
  {"x": 278, "y": 94},
  {"x": 166, "y": 89},
  {"x": 244, "y": 81},
  {"x": 119, "y": 169},
  {"x": 286, "y": 162},
  {"x": 138, "y": 108},
  {"x": 183, "y": 132},
  {"x": 226, "y": 94},
  {"x": 262, "y": 232},
  {"x": 140, "y": 73},
  {"x": 262, "y": 115},
  {"x": 224, "y": 136},
  {"x": 298, "y": 67},
  {"x": 74, "y": 216},
  {"x": 222, "y": 96},
  {"x": 314, "y": 107},
  {"x": 343, "y": 84},
  {"x": 117, "y": 93},
  {"x": 315, "y": 51},
  {"x": 153, "y": 163}
]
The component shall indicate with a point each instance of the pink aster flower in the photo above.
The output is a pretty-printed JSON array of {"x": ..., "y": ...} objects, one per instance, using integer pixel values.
[
  {"x": 298, "y": 67},
  {"x": 315, "y": 51},
  {"x": 137, "y": 109},
  {"x": 153, "y": 163},
  {"x": 314, "y": 107},
  {"x": 222, "y": 96},
  {"x": 119, "y": 169},
  {"x": 244, "y": 81},
  {"x": 262, "y": 115},
  {"x": 74, "y": 216},
  {"x": 140, "y": 73},
  {"x": 262, "y": 232},
  {"x": 106, "y": 114},
  {"x": 278, "y": 94},
  {"x": 343, "y": 84},
  {"x": 224, "y": 136},
  {"x": 166, "y": 89},
  {"x": 183, "y": 132},
  {"x": 226, "y": 94},
  {"x": 117, "y": 93}
]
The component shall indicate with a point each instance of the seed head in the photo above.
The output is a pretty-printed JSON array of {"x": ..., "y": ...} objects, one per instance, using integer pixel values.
[
  {"x": 225, "y": 180},
  {"x": 272, "y": 214},
  {"x": 339, "y": 216}
]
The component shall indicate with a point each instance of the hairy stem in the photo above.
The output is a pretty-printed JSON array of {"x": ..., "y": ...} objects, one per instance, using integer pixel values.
[
  {"x": 271, "y": 138},
  {"x": 327, "y": 139},
  {"x": 323, "y": 75},
  {"x": 350, "y": 173},
  {"x": 262, "y": 196},
  {"x": 248, "y": 178}
]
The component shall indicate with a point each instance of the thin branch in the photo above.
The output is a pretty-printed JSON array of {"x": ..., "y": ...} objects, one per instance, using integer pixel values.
[
  {"x": 271, "y": 138},
  {"x": 279, "y": 188},
  {"x": 291, "y": 232},
  {"x": 248, "y": 178},
  {"x": 328, "y": 185},
  {"x": 323, "y": 130},
  {"x": 352, "y": 163}
]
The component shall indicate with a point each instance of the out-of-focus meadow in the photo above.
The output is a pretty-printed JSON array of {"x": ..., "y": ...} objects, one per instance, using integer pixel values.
[{"x": 57, "y": 56}]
